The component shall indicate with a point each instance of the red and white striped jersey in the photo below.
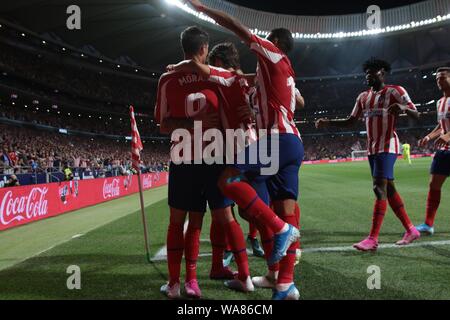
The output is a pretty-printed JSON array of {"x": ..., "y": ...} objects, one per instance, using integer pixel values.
[
  {"x": 380, "y": 125},
  {"x": 275, "y": 96},
  {"x": 443, "y": 112},
  {"x": 184, "y": 95},
  {"x": 233, "y": 89}
]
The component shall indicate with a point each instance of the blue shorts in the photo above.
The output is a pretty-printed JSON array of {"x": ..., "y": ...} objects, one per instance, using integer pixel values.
[
  {"x": 441, "y": 163},
  {"x": 281, "y": 181},
  {"x": 194, "y": 186},
  {"x": 213, "y": 195},
  {"x": 382, "y": 165}
]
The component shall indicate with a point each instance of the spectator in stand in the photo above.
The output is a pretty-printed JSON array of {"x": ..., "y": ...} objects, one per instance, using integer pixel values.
[{"x": 13, "y": 181}]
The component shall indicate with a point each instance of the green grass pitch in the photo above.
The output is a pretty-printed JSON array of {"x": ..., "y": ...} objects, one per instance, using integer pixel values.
[{"x": 336, "y": 202}]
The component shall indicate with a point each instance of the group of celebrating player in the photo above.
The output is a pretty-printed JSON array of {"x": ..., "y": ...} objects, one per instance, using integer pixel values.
[{"x": 262, "y": 106}]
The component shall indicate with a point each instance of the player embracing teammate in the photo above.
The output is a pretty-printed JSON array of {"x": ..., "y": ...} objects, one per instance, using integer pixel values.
[
  {"x": 276, "y": 100},
  {"x": 184, "y": 98}
]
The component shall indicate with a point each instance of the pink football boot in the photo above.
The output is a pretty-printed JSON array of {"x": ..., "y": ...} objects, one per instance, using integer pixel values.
[
  {"x": 410, "y": 235},
  {"x": 368, "y": 244}
]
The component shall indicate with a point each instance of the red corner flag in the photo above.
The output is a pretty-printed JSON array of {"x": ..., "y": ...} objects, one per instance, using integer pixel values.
[
  {"x": 136, "y": 143},
  {"x": 136, "y": 148}
]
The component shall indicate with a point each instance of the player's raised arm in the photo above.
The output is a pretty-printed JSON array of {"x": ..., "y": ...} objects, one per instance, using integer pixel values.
[
  {"x": 343, "y": 123},
  {"x": 338, "y": 123},
  {"x": 299, "y": 100},
  {"x": 223, "y": 19}
]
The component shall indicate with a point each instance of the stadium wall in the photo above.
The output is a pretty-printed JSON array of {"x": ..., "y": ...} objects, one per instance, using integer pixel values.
[{"x": 23, "y": 205}]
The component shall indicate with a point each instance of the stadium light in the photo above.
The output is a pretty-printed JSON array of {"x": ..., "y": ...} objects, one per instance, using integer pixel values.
[{"x": 338, "y": 35}]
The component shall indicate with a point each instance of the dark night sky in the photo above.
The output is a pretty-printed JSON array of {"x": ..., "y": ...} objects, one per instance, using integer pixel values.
[{"x": 310, "y": 7}]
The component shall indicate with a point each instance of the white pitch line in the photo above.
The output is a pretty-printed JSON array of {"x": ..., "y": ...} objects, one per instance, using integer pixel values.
[
  {"x": 382, "y": 246},
  {"x": 163, "y": 256}
]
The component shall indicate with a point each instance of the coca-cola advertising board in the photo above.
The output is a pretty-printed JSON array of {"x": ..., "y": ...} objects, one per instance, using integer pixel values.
[{"x": 22, "y": 205}]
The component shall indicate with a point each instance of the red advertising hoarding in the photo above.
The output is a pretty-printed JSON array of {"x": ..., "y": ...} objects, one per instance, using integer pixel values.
[{"x": 22, "y": 205}]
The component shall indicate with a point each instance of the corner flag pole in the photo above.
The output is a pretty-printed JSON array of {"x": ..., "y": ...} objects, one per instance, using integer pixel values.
[
  {"x": 144, "y": 218},
  {"x": 136, "y": 148}
]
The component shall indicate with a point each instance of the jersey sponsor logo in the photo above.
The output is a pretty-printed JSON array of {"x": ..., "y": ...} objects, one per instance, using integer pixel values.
[
  {"x": 443, "y": 115},
  {"x": 374, "y": 113}
]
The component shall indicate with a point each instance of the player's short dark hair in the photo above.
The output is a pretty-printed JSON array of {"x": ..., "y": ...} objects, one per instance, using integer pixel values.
[
  {"x": 377, "y": 65},
  {"x": 443, "y": 69},
  {"x": 285, "y": 39},
  {"x": 192, "y": 39},
  {"x": 227, "y": 53}
]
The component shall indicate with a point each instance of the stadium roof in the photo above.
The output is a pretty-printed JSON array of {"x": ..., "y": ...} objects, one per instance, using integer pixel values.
[
  {"x": 310, "y": 8},
  {"x": 146, "y": 33}
]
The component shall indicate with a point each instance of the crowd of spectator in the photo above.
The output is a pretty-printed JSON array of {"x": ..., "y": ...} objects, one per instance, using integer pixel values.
[
  {"x": 78, "y": 120},
  {"x": 27, "y": 150}
]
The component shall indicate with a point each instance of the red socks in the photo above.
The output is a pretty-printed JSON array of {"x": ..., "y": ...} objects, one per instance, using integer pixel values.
[
  {"x": 433, "y": 201},
  {"x": 252, "y": 231},
  {"x": 379, "y": 212},
  {"x": 267, "y": 243},
  {"x": 191, "y": 251},
  {"x": 297, "y": 221},
  {"x": 218, "y": 243},
  {"x": 175, "y": 248},
  {"x": 398, "y": 207},
  {"x": 237, "y": 243},
  {"x": 287, "y": 264},
  {"x": 247, "y": 199}
]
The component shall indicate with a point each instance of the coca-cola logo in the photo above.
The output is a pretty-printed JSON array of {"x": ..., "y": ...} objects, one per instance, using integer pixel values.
[
  {"x": 147, "y": 181},
  {"x": 18, "y": 208},
  {"x": 111, "y": 190}
]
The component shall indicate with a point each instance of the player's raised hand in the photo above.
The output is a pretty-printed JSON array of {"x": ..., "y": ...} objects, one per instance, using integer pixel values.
[
  {"x": 442, "y": 141},
  {"x": 195, "y": 3},
  {"x": 423, "y": 142},
  {"x": 170, "y": 67},
  {"x": 322, "y": 123}
]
